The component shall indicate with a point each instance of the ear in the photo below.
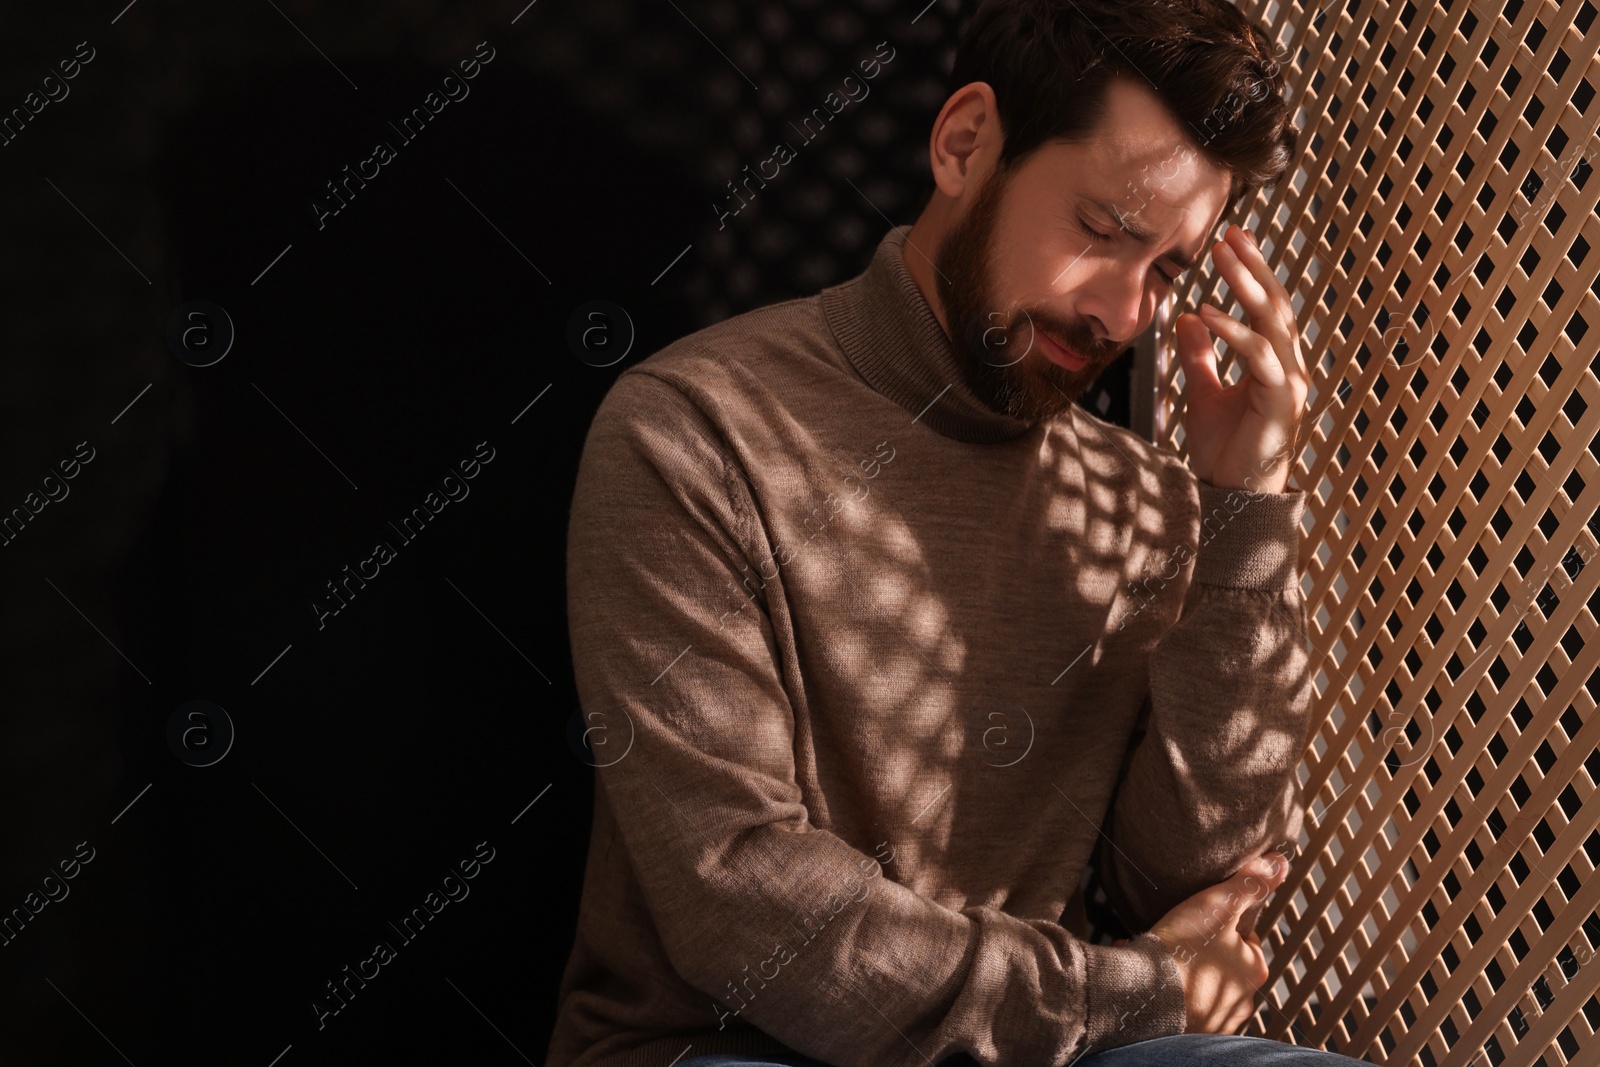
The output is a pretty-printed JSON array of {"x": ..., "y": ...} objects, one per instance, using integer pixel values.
[{"x": 966, "y": 139}]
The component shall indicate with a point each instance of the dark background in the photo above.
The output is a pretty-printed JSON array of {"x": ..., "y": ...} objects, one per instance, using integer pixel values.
[{"x": 376, "y": 751}]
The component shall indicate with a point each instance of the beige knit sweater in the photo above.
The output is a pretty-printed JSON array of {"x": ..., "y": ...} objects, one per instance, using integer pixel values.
[{"x": 869, "y": 672}]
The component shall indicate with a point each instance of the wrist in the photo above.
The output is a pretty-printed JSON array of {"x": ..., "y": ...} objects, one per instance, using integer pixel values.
[
  {"x": 1172, "y": 951},
  {"x": 1269, "y": 475},
  {"x": 1176, "y": 951}
]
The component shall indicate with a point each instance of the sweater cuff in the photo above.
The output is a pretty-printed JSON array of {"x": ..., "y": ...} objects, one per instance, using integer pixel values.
[
  {"x": 1135, "y": 992},
  {"x": 1249, "y": 540}
]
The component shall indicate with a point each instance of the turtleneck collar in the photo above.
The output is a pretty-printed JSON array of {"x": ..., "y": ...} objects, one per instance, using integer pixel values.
[{"x": 890, "y": 334}]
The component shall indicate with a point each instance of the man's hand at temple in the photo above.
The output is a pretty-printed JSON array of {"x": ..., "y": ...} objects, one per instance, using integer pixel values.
[{"x": 1244, "y": 436}]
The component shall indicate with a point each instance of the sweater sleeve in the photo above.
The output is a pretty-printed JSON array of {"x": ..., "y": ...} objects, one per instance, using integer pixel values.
[
  {"x": 1210, "y": 782},
  {"x": 776, "y": 922}
]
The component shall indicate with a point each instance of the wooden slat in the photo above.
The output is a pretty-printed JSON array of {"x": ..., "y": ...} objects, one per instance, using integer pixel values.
[{"x": 1443, "y": 910}]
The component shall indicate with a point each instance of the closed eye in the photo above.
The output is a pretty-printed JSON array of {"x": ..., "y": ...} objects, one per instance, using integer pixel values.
[
  {"x": 1092, "y": 233},
  {"x": 1098, "y": 237}
]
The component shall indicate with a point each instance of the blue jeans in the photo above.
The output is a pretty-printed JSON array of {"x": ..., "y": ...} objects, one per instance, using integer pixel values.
[{"x": 1175, "y": 1050}]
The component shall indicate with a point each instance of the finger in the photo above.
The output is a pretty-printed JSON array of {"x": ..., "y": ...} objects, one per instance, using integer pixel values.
[
  {"x": 1247, "y": 247},
  {"x": 1247, "y": 250},
  {"x": 1272, "y": 864},
  {"x": 1259, "y": 354},
  {"x": 1252, "y": 914},
  {"x": 1251, "y": 885},
  {"x": 1242, "y": 258},
  {"x": 1198, "y": 355},
  {"x": 1264, "y": 316},
  {"x": 1246, "y": 287},
  {"x": 1259, "y": 968}
]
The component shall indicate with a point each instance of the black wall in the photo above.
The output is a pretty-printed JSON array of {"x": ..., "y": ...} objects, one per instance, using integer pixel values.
[{"x": 374, "y": 748}]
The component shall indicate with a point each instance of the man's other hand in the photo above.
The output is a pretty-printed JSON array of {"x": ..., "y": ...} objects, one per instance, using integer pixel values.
[{"x": 1222, "y": 969}]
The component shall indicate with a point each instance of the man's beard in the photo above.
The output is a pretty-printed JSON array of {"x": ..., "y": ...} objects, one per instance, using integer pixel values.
[{"x": 1001, "y": 358}]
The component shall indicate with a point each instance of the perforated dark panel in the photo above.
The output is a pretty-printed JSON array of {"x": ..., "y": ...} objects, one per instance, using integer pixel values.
[{"x": 1439, "y": 237}]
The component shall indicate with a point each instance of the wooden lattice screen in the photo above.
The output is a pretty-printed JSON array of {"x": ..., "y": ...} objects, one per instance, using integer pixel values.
[{"x": 1441, "y": 240}]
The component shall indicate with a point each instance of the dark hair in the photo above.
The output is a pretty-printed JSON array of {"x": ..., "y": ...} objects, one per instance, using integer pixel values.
[{"x": 1049, "y": 63}]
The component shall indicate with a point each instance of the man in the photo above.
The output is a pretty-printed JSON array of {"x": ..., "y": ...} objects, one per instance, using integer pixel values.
[{"x": 879, "y": 638}]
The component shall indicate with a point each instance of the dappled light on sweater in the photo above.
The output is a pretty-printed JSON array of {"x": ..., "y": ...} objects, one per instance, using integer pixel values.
[{"x": 897, "y": 670}]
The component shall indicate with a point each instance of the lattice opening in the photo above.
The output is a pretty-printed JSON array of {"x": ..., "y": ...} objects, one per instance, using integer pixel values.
[{"x": 1439, "y": 238}]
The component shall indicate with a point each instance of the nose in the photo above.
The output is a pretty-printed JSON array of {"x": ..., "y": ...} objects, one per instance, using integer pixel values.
[{"x": 1113, "y": 301}]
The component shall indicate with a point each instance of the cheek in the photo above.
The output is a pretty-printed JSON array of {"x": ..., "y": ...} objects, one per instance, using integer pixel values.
[
  {"x": 1072, "y": 261},
  {"x": 1118, "y": 282}
]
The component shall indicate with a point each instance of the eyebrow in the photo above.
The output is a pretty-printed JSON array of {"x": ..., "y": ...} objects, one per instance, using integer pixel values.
[{"x": 1125, "y": 222}]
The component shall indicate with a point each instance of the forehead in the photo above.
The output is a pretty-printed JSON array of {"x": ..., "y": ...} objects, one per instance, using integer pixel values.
[{"x": 1141, "y": 154}]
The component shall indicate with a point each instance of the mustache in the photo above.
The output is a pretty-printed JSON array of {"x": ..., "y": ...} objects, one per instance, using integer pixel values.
[{"x": 1074, "y": 336}]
